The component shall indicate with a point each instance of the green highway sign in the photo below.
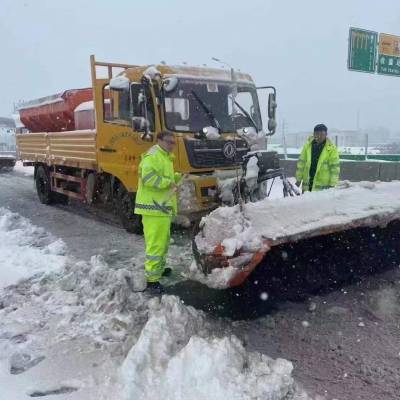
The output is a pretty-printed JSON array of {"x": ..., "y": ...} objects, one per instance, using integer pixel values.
[
  {"x": 362, "y": 50},
  {"x": 388, "y": 65},
  {"x": 389, "y": 55}
]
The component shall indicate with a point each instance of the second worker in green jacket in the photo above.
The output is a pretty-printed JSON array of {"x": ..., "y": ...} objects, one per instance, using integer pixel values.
[
  {"x": 156, "y": 202},
  {"x": 318, "y": 166}
]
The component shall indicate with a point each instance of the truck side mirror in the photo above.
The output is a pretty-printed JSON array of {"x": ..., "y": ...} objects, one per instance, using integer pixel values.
[
  {"x": 147, "y": 137},
  {"x": 141, "y": 115},
  {"x": 271, "y": 126},
  {"x": 170, "y": 84},
  {"x": 271, "y": 109},
  {"x": 140, "y": 124},
  {"x": 271, "y": 105},
  {"x": 271, "y": 113}
]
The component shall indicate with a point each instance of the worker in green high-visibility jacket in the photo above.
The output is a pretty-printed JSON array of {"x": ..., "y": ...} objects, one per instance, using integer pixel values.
[
  {"x": 156, "y": 202},
  {"x": 318, "y": 166}
]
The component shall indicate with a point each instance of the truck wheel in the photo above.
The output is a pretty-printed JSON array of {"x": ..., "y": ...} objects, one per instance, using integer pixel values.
[
  {"x": 46, "y": 196},
  {"x": 126, "y": 207},
  {"x": 42, "y": 181}
]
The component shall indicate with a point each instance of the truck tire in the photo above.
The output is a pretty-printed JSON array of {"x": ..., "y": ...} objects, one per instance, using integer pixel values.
[
  {"x": 43, "y": 188},
  {"x": 126, "y": 207},
  {"x": 42, "y": 182}
]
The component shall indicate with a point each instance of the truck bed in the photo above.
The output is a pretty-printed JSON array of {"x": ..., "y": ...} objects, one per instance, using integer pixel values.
[{"x": 71, "y": 148}]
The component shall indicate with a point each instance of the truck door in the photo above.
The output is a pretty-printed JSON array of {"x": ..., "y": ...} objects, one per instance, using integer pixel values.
[{"x": 128, "y": 130}]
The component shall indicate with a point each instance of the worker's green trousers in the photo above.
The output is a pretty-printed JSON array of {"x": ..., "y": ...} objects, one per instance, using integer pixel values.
[{"x": 157, "y": 236}]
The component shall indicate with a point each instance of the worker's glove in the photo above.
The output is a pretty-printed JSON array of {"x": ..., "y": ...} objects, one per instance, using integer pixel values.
[
  {"x": 174, "y": 187},
  {"x": 298, "y": 183}
]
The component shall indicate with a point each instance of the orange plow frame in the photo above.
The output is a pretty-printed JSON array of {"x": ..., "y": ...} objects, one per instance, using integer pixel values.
[{"x": 217, "y": 259}]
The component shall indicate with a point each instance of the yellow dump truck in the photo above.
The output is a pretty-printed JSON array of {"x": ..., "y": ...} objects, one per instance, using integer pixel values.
[{"x": 208, "y": 109}]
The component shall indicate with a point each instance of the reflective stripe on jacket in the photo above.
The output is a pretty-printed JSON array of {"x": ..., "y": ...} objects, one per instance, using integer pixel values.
[
  {"x": 328, "y": 167},
  {"x": 156, "y": 175}
]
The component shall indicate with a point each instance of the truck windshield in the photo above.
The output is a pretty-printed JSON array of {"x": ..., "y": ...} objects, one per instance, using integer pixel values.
[{"x": 193, "y": 105}]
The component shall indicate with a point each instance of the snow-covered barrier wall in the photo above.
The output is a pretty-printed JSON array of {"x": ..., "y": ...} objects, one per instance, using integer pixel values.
[{"x": 357, "y": 171}]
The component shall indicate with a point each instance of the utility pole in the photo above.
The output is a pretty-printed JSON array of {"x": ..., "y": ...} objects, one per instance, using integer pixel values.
[{"x": 284, "y": 139}]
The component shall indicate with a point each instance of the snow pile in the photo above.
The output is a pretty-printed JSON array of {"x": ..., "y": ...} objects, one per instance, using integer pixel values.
[
  {"x": 85, "y": 331},
  {"x": 227, "y": 183},
  {"x": 151, "y": 73},
  {"x": 26, "y": 250},
  {"x": 225, "y": 189},
  {"x": 256, "y": 140},
  {"x": 120, "y": 82},
  {"x": 238, "y": 234},
  {"x": 43, "y": 101},
  {"x": 17, "y": 120},
  {"x": 66, "y": 340},
  {"x": 257, "y": 190},
  {"x": 27, "y": 171},
  {"x": 252, "y": 168},
  {"x": 176, "y": 359},
  {"x": 296, "y": 217},
  {"x": 214, "y": 74},
  {"x": 212, "y": 133},
  {"x": 110, "y": 295},
  {"x": 85, "y": 106},
  {"x": 187, "y": 198},
  {"x": 235, "y": 235},
  {"x": 218, "y": 278},
  {"x": 68, "y": 330}
]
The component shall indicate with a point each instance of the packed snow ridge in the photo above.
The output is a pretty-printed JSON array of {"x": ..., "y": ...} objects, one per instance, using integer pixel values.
[
  {"x": 85, "y": 331},
  {"x": 175, "y": 357},
  {"x": 26, "y": 250},
  {"x": 296, "y": 217}
]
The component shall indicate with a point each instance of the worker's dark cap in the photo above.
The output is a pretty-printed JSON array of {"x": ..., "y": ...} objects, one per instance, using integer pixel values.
[{"x": 320, "y": 128}]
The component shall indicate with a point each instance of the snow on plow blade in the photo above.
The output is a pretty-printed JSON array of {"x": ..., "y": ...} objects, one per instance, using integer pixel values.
[{"x": 317, "y": 228}]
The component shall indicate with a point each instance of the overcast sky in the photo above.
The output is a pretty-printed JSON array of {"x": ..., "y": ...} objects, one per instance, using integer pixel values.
[{"x": 298, "y": 46}]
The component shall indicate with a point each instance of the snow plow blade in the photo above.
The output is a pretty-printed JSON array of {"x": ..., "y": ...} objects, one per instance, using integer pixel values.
[{"x": 330, "y": 233}]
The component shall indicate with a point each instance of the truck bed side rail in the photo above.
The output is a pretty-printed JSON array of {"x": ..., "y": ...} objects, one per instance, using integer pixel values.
[{"x": 72, "y": 149}]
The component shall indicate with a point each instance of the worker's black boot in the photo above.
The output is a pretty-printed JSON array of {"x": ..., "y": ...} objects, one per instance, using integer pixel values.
[
  {"x": 155, "y": 288},
  {"x": 167, "y": 272}
]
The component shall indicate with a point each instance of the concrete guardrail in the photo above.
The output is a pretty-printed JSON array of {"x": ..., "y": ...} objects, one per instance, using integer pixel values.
[{"x": 357, "y": 170}]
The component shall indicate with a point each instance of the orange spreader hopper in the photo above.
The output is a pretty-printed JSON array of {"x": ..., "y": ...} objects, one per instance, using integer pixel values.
[{"x": 53, "y": 113}]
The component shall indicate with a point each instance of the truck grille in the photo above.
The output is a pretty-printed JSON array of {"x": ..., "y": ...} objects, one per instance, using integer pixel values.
[{"x": 209, "y": 154}]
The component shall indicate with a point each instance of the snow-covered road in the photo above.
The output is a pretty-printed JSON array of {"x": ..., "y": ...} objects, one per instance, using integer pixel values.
[
  {"x": 81, "y": 331},
  {"x": 86, "y": 231}
]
